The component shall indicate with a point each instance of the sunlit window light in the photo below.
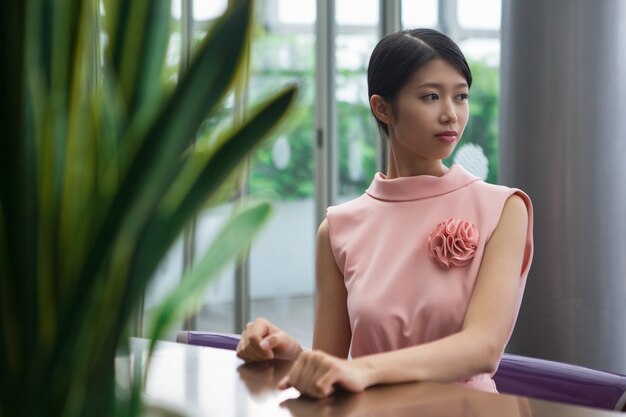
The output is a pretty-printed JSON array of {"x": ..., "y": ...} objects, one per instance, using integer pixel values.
[
  {"x": 297, "y": 12},
  {"x": 202, "y": 9},
  {"x": 419, "y": 13},
  {"x": 479, "y": 14},
  {"x": 357, "y": 12}
]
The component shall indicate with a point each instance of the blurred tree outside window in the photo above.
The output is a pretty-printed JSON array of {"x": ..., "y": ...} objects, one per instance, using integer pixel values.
[
  {"x": 356, "y": 128},
  {"x": 283, "y": 168}
]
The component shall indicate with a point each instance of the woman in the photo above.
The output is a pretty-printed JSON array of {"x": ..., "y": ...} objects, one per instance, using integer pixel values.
[{"x": 421, "y": 277}]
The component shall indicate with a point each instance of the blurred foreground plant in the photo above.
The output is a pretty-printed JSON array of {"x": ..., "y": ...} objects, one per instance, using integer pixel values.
[{"x": 97, "y": 179}]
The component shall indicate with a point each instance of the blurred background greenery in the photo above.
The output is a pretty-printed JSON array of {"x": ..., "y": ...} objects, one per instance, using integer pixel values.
[{"x": 356, "y": 128}]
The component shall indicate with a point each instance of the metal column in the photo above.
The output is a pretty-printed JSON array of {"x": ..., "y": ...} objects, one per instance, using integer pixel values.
[
  {"x": 390, "y": 22},
  {"x": 326, "y": 173},
  {"x": 562, "y": 140},
  {"x": 242, "y": 268},
  {"x": 189, "y": 234}
]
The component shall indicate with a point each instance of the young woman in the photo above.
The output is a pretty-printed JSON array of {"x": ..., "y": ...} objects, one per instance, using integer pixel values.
[{"x": 421, "y": 277}]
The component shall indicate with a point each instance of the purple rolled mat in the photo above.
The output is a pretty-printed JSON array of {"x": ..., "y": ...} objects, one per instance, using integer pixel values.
[{"x": 216, "y": 340}]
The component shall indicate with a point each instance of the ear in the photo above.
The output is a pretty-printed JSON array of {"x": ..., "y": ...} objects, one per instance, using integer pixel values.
[{"x": 381, "y": 109}]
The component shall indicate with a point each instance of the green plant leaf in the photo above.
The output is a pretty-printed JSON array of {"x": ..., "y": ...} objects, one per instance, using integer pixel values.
[
  {"x": 167, "y": 222},
  {"x": 209, "y": 168},
  {"x": 203, "y": 175},
  {"x": 92, "y": 153},
  {"x": 158, "y": 160},
  {"x": 139, "y": 33},
  {"x": 12, "y": 188},
  {"x": 230, "y": 242}
]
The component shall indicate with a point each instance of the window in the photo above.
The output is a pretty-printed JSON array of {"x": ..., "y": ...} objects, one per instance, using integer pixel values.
[
  {"x": 420, "y": 13},
  {"x": 281, "y": 261}
]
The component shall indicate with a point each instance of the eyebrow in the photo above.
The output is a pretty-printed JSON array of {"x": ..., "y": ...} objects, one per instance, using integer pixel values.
[{"x": 437, "y": 85}]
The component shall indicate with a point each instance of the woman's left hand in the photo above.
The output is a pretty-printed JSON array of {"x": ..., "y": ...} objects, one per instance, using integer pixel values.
[{"x": 315, "y": 374}]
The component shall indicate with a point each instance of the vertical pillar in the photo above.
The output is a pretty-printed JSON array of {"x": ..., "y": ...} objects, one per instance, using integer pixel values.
[
  {"x": 390, "y": 22},
  {"x": 189, "y": 234},
  {"x": 563, "y": 141},
  {"x": 326, "y": 177}
]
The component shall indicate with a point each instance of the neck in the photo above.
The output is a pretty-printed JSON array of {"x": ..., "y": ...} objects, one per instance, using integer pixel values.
[{"x": 399, "y": 166}]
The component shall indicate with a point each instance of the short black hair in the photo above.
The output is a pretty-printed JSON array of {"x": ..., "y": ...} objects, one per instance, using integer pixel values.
[{"x": 398, "y": 55}]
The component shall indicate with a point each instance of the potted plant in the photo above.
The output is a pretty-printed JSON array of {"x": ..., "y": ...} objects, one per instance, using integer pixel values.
[{"x": 97, "y": 179}]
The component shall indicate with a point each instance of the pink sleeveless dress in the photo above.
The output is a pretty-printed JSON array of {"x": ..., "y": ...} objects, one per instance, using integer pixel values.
[{"x": 409, "y": 250}]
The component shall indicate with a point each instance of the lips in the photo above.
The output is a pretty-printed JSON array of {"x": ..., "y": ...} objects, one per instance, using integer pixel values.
[{"x": 448, "y": 136}]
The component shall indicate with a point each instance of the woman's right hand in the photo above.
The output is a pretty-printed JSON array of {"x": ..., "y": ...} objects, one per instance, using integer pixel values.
[{"x": 263, "y": 341}]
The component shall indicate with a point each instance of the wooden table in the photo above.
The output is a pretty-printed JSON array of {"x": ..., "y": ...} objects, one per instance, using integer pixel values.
[{"x": 213, "y": 382}]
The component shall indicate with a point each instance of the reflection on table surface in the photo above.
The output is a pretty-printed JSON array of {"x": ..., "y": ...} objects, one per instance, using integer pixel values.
[{"x": 214, "y": 382}]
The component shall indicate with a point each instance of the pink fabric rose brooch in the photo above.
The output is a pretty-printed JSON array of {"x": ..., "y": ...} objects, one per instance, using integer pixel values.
[{"x": 453, "y": 242}]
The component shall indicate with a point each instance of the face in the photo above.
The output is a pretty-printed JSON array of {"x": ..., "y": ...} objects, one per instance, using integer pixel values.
[{"x": 430, "y": 112}]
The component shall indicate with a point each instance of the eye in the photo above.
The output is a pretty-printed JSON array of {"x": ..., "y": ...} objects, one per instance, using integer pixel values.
[
  {"x": 463, "y": 97},
  {"x": 430, "y": 97}
]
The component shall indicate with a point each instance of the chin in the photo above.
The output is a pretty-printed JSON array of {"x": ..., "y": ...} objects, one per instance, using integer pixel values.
[
  {"x": 444, "y": 155},
  {"x": 449, "y": 151}
]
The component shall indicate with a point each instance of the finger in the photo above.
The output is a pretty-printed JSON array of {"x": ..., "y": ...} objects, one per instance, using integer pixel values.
[
  {"x": 306, "y": 381},
  {"x": 267, "y": 343},
  {"x": 318, "y": 367},
  {"x": 252, "y": 354},
  {"x": 243, "y": 341},
  {"x": 272, "y": 341},
  {"x": 252, "y": 345},
  {"x": 248, "y": 352},
  {"x": 325, "y": 383},
  {"x": 315, "y": 366},
  {"x": 294, "y": 373},
  {"x": 263, "y": 349},
  {"x": 257, "y": 329},
  {"x": 284, "y": 383}
]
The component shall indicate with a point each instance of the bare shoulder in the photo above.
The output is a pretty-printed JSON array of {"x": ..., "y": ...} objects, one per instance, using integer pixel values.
[
  {"x": 514, "y": 212},
  {"x": 322, "y": 231},
  {"x": 323, "y": 235},
  {"x": 513, "y": 219}
]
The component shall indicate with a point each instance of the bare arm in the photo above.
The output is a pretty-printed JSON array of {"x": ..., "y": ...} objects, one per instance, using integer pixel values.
[
  {"x": 262, "y": 340},
  {"x": 332, "y": 332},
  {"x": 477, "y": 347}
]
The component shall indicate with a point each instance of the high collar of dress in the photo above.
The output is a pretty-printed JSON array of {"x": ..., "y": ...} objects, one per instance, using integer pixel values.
[{"x": 419, "y": 186}]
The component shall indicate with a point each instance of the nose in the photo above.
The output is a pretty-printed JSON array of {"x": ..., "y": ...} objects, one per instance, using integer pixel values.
[{"x": 448, "y": 115}]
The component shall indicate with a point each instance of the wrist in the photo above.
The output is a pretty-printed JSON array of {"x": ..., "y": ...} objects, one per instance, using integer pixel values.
[
  {"x": 297, "y": 351},
  {"x": 368, "y": 370},
  {"x": 293, "y": 352}
]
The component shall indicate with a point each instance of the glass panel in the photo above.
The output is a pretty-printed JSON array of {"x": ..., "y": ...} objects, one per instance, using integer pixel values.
[
  {"x": 282, "y": 170},
  {"x": 357, "y": 12},
  {"x": 482, "y": 49},
  {"x": 479, "y": 14},
  {"x": 166, "y": 278},
  {"x": 217, "y": 305},
  {"x": 297, "y": 12},
  {"x": 217, "y": 310},
  {"x": 206, "y": 10},
  {"x": 356, "y": 127},
  {"x": 419, "y": 13},
  {"x": 202, "y": 9},
  {"x": 172, "y": 56}
]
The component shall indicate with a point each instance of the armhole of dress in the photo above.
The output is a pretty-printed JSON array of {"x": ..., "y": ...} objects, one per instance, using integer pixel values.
[
  {"x": 333, "y": 249},
  {"x": 529, "y": 245}
]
